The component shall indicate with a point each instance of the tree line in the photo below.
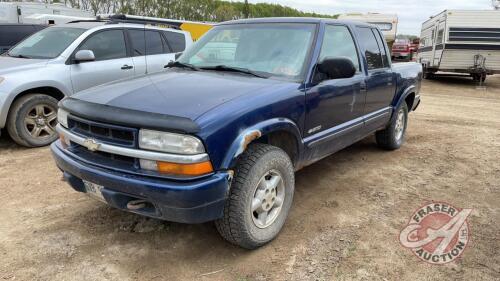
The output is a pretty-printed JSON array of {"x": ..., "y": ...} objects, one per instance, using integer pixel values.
[{"x": 195, "y": 10}]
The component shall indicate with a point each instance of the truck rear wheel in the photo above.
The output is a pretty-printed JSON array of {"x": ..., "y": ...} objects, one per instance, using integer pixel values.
[
  {"x": 260, "y": 197},
  {"x": 32, "y": 119},
  {"x": 392, "y": 137}
]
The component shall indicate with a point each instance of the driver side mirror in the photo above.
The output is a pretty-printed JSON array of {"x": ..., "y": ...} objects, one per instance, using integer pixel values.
[
  {"x": 84, "y": 55},
  {"x": 336, "y": 68}
]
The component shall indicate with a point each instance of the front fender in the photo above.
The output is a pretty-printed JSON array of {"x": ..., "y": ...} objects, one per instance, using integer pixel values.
[
  {"x": 8, "y": 95},
  {"x": 256, "y": 131}
]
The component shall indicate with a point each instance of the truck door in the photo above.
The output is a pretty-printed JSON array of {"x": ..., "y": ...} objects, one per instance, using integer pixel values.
[
  {"x": 111, "y": 60},
  {"x": 380, "y": 81},
  {"x": 333, "y": 105}
]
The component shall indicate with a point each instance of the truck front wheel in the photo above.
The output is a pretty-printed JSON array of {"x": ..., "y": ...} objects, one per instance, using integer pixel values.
[
  {"x": 392, "y": 137},
  {"x": 260, "y": 197},
  {"x": 32, "y": 119}
]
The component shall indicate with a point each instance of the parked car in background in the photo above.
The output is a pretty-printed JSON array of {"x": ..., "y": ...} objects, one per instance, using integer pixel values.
[
  {"x": 220, "y": 134},
  {"x": 404, "y": 49},
  {"x": 62, "y": 60},
  {"x": 13, "y": 33}
]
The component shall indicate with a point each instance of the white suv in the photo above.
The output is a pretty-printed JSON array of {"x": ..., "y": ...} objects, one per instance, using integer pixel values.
[{"x": 65, "y": 59}]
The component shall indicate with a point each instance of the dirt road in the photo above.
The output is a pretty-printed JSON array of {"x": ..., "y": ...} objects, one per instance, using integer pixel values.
[{"x": 344, "y": 225}]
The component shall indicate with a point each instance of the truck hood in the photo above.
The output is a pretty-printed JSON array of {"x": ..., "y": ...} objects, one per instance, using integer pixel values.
[
  {"x": 180, "y": 93},
  {"x": 10, "y": 64}
]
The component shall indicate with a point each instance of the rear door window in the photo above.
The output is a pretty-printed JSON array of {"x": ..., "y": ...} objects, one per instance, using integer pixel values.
[
  {"x": 381, "y": 45},
  {"x": 372, "y": 52},
  {"x": 154, "y": 44},
  {"x": 138, "y": 42},
  {"x": 176, "y": 40}
]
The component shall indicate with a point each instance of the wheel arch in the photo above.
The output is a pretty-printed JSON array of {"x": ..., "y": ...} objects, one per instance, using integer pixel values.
[
  {"x": 280, "y": 132},
  {"x": 408, "y": 97},
  {"x": 7, "y": 104}
]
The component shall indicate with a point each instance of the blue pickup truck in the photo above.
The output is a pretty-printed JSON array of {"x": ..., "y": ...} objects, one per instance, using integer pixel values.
[{"x": 219, "y": 134}]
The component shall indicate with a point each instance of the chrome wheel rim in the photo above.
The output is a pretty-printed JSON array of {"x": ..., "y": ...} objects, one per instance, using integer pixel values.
[
  {"x": 268, "y": 199},
  {"x": 400, "y": 125},
  {"x": 40, "y": 121}
]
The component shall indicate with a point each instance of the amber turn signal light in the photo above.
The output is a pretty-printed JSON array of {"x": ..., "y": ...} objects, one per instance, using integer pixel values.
[{"x": 195, "y": 169}]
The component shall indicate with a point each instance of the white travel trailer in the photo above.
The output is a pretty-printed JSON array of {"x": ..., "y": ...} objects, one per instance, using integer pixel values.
[
  {"x": 46, "y": 19},
  {"x": 388, "y": 23},
  {"x": 461, "y": 41},
  {"x": 26, "y": 12}
]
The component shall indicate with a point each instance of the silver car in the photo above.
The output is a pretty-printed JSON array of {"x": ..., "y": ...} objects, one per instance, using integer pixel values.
[{"x": 65, "y": 59}]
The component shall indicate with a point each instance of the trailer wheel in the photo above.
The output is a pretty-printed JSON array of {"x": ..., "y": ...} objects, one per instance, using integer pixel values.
[
  {"x": 478, "y": 77},
  {"x": 428, "y": 75}
]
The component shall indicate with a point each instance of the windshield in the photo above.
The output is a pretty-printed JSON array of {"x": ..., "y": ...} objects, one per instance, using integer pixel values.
[
  {"x": 46, "y": 44},
  {"x": 277, "y": 49}
]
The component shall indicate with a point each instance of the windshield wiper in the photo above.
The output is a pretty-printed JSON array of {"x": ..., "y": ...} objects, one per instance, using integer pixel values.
[
  {"x": 18, "y": 56},
  {"x": 234, "y": 69},
  {"x": 181, "y": 64}
]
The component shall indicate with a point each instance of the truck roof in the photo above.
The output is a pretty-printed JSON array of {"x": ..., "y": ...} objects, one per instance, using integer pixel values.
[{"x": 295, "y": 20}]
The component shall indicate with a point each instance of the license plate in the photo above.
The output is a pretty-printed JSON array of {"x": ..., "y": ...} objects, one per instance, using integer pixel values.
[{"x": 94, "y": 190}]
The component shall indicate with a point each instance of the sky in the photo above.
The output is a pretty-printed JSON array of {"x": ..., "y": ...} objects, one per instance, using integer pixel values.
[{"x": 411, "y": 13}]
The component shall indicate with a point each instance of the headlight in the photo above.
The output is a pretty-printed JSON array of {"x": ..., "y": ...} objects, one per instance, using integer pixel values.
[
  {"x": 170, "y": 142},
  {"x": 62, "y": 117}
]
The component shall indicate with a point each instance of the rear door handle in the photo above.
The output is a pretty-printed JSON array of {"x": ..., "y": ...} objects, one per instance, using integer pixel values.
[
  {"x": 362, "y": 87},
  {"x": 127, "y": 67}
]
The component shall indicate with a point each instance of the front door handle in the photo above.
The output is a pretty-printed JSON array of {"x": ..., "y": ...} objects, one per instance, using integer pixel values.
[{"x": 126, "y": 66}]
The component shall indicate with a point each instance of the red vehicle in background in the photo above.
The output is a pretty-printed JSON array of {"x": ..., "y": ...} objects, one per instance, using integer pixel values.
[{"x": 404, "y": 49}]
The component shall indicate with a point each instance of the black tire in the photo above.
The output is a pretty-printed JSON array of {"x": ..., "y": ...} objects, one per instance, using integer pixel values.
[
  {"x": 22, "y": 108},
  {"x": 428, "y": 75},
  {"x": 390, "y": 138},
  {"x": 475, "y": 77},
  {"x": 238, "y": 224}
]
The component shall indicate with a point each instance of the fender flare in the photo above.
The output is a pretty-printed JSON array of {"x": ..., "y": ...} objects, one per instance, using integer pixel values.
[
  {"x": 402, "y": 98},
  {"x": 256, "y": 131}
]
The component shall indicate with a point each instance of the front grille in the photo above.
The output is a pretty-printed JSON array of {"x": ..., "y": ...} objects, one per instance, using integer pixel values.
[
  {"x": 104, "y": 159},
  {"x": 111, "y": 134}
]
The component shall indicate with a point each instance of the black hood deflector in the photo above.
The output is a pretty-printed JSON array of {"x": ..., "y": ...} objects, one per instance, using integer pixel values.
[{"x": 128, "y": 117}]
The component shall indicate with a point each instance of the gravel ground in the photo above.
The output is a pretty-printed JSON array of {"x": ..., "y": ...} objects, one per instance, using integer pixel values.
[{"x": 344, "y": 224}]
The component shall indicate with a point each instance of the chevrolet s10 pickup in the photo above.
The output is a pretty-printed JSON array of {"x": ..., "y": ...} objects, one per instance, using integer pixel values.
[{"x": 220, "y": 134}]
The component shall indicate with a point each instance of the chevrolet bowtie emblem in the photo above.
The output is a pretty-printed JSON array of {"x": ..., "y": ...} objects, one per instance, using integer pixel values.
[{"x": 91, "y": 144}]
